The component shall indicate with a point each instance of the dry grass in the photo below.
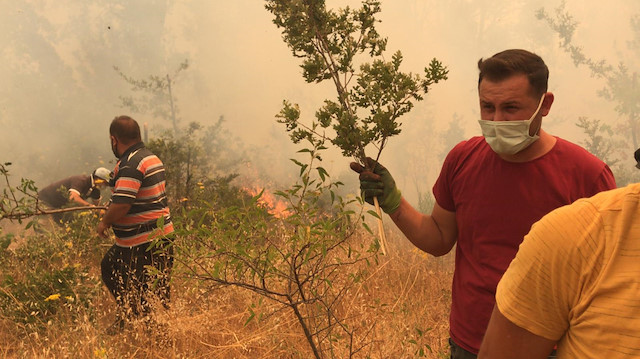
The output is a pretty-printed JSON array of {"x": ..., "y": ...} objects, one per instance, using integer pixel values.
[{"x": 402, "y": 306}]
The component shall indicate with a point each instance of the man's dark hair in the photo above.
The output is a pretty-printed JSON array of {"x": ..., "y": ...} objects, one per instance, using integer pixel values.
[
  {"x": 125, "y": 129},
  {"x": 512, "y": 62}
]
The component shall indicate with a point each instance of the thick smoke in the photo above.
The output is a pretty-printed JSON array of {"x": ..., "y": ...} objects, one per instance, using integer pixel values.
[{"x": 60, "y": 89}]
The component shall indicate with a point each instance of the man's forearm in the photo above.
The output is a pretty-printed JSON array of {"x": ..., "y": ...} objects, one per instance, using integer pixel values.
[
  {"x": 115, "y": 212},
  {"x": 76, "y": 198},
  {"x": 423, "y": 231}
]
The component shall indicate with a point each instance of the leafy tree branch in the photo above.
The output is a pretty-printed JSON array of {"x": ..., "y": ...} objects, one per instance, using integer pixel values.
[{"x": 329, "y": 42}]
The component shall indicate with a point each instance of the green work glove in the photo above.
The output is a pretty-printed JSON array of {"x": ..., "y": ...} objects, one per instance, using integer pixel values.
[{"x": 378, "y": 183}]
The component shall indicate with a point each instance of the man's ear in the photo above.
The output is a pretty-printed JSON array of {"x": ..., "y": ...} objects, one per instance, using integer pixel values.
[{"x": 546, "y": 104}]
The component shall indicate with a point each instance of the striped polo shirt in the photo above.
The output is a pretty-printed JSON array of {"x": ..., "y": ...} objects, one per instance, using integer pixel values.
[{"x": 139, "y": 180}]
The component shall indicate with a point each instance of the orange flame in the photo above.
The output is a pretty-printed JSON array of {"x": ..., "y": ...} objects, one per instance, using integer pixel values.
[
  {"x": 274, "y": 206},
  {"x": 253, "y": 183}
]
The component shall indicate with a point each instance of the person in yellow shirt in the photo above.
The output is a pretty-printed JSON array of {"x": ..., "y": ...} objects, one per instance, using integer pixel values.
[{"x": 574, "y": 282}]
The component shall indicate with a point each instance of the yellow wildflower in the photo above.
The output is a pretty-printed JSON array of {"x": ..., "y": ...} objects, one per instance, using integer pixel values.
[
  {"x": 100, "y": 353},
  {"x": 53, "y": 297}
]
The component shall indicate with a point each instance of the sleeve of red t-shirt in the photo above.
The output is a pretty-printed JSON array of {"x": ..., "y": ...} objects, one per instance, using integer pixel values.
[{"x": 442, "y": 188}]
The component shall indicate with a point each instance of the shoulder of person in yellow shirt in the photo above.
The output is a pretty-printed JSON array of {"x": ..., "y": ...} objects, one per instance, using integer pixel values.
[{"x": 579, "y": 264}]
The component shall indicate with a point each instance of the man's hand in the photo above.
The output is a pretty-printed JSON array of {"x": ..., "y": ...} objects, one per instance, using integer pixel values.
[
  {"x": 378, "y": 183},
  {"x": 115, "y": 212},
  {"x": 102, "y": 229}
]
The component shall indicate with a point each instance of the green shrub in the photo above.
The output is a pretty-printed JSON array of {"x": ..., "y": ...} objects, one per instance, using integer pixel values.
[{"x": 50, "y": 272}]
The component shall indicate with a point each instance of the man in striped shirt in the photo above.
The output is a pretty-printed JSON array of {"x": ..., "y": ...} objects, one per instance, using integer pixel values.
[{"x": 140, "y": 218}]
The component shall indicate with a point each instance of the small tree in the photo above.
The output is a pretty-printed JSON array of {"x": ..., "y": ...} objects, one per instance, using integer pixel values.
[
  {"x": 307, "y": 261},
  {"x": 192, "y": 154},
  {"x": 599, "y": 139},
  {"x": 369, "y": 100},
  {"x": 621, "y": 86},
  {"x": 156, "y": 95}
]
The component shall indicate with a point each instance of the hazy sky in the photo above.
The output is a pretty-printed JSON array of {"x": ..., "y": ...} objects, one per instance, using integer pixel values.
[{"x": 60, "y": 91}]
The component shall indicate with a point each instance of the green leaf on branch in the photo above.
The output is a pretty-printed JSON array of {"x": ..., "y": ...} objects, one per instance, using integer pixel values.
[
  {"x": 252, "y": 315},
  {"x": 366, "y": 226},
  {"x": 322, "y": 173},
  {"x": 374, "y": 214}
]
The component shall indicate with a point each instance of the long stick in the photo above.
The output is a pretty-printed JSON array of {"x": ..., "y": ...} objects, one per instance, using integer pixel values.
[
  {"x": 41, "y": 212},
  {"x": 383, "y": 238}
]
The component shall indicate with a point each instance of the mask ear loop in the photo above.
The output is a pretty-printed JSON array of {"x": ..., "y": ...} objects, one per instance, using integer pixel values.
[
  {"x": 536, "y": 113},
  {"x": 539, "y": 107}
]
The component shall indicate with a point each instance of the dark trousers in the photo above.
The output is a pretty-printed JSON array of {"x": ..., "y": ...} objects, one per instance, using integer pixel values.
[
  {"x": 457, "y": 352},
  {"x": 132, "y": 284}
]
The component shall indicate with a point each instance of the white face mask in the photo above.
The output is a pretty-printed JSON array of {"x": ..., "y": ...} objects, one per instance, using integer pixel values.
[{"x": 509, "y": 137}]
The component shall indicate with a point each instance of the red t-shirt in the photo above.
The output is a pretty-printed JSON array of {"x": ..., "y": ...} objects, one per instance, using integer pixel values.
[{"x": 495, "y": 203}]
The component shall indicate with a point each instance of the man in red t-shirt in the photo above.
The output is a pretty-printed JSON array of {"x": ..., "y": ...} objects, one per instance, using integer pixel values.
[{"x": 492, "y": 188}]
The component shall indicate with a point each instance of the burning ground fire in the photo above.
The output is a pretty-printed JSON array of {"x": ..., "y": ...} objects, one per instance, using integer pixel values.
[
  {"x": 253, "y": 183},
  {"x": 274, "y": 206}
]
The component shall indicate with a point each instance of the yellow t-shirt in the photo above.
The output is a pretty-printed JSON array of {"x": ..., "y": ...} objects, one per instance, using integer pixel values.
[{"x": 576, "y": 277}]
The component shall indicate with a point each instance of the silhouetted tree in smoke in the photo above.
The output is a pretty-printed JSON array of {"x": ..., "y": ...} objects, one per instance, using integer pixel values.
[
  {"x": 622, "y": 87},
  {"x": 56, "y": 88},
  {"x": 194, "y": 155},
  {"x": 155, "y": 95}
]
